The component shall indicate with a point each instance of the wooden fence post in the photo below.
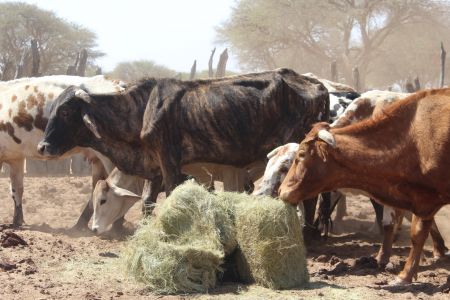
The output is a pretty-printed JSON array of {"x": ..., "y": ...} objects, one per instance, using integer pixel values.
[
  {"x": 193, "y": 70},
  {"x": 356, "y": 80},
  {"x": 443, "y": 54},
  {"x": 222, "y": 65},
  {"x": 417, "y": 83},
  {"x": 82, "y": 63},
  {"x": 334, "y": 73},
  {"x": 210, "y": 64}
]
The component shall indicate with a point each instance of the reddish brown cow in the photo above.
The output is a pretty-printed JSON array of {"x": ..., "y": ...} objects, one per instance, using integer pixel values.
[{"x": 400, "y": 157}]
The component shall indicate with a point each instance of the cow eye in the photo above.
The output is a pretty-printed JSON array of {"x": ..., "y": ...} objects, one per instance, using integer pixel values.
[
  {"x": 103, "y": 201},
  {"x": 64, "y": 113},
  {"x": 301, "y": 154}
]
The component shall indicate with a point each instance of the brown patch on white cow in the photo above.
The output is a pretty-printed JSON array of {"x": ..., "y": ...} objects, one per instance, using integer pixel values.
[
  {"x": 40, "y": 122},
  {"x": 27, "y": 86},
  {"x": 8, "y": 128},
  {"x": 23, "y": 118},
  {"x": 50, "y": 96},
  {"x": 36, "y": 89},
  {"x": 31, "y": 101},
  {"x": 13, "y": 98}
]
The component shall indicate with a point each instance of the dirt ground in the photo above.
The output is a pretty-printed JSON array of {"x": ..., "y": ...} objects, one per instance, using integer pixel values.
[{"x": 57, "y": 264}]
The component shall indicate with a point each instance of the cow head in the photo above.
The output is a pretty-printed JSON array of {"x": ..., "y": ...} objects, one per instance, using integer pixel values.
[
  {"x": 110, "y": 204},
  {"x": 312, "y": 166},
  {"x": 280, "y": 160},
  {"x": 71, "y": 123}
]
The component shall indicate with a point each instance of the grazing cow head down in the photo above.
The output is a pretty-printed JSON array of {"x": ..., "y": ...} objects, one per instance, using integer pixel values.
[
  {"x": 70, "y": 123},
  {"x": 110, "y": 203},
  {"x": 280, "y": 160},
  {"x": 311, "y": 166}
]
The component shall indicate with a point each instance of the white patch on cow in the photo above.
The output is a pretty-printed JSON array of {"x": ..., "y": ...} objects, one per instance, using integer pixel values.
[{"x": 276, "y": 169}]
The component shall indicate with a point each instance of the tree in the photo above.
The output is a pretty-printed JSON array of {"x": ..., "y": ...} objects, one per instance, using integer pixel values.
[
  {"x": 135, "y": 70},
  {"x": 58, "y": 41},
  {"x": 309, "y": 35}
]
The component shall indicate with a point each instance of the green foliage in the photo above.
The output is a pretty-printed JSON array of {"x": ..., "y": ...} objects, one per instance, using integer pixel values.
[{"x": 58, "y": 40}]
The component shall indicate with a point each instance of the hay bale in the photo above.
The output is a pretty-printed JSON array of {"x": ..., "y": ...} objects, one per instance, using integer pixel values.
[
  {"x": 183, "y": 248},
  {"x": 272, "y": 251}
]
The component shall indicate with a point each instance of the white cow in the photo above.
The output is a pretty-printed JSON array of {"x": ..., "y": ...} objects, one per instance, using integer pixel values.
[{"x": 25, "y": 106}]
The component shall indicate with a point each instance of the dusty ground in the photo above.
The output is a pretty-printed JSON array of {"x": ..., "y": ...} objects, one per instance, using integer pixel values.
[{"x": 55, "y": 264}]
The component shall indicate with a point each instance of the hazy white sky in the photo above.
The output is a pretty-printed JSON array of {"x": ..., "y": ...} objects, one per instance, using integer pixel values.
[{"x": 170, "y": 32}]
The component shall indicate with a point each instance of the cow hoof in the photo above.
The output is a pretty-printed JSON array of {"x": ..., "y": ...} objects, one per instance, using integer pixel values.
[{"x": 399, "y": 282}]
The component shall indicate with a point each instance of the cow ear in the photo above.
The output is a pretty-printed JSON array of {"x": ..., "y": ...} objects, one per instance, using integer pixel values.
[
  {"x": 89, "y": 122},
  {"x": 120, "y": 191},
  {"x": 327, "y": 137}
]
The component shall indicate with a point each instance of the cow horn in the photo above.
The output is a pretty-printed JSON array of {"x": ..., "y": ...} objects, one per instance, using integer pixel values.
[
  {"x": 327, "y": 137},
  {"x": 91, "y": 125},
  {"x": 120, "y": 191},
  {"x": 79, "y": 93}
]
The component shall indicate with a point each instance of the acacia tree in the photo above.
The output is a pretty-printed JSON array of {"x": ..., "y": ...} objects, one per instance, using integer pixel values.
[
  {"x": 309, "y": 35},
  {"x": 135, "y": 70},
  {"x": 58, "y": 40}
]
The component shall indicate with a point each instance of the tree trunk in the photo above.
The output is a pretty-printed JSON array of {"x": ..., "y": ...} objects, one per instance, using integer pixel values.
[
  {"x": 210, "y": 64},
  {"x": 193, "y": 70},
  {"x": 98, "y": 71},
  {"x": 36, "y": 59},
  {"x": 20, "y": 69},
  {"x": 222, "y": 65}
]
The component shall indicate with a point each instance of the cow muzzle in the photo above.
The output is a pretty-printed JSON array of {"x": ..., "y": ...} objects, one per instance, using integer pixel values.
[{"x": 43, "y": 148}]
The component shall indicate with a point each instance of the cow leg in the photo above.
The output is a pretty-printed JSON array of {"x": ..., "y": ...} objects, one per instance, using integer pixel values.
[
  {"x": 389, "y": 221},
  {"x": 324, "y": 215},
  {"x": 170, "y": 169},
  {"x": 98, "y": 173},
  {"x": 309, "y": 208},
  {"x": 341, "y": 209},
  {"x": 150, "y": 194},
  {"x": 16, "y": 188},
  {"x": 439, "y": 248},
  {"x": 420, "y": 229},
  {"x": 378, "y": 208}
]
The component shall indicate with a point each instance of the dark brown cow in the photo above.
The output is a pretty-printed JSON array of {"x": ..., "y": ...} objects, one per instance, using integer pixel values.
[
  {"x": 400, "y": 157},
  {"x": 233, "y": 121}
]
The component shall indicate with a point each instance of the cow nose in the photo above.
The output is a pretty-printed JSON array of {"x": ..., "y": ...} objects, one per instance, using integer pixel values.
[
  {"x": 95, "y": 230},
  {"x": 41, "y": 147}
]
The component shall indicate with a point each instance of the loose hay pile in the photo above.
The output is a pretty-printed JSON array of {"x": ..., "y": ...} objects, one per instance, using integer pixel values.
[{"x": 183, "y": 248}]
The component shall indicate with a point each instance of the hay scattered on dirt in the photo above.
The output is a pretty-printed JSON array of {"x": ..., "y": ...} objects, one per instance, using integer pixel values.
[{"x": 182, "y": 249}]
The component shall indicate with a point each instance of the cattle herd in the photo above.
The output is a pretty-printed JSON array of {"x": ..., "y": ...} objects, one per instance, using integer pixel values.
[{"x": 299, "y": 134}]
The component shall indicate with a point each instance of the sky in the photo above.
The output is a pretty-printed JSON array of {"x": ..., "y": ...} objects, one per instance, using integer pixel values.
[{"x": 169, "y": 32}]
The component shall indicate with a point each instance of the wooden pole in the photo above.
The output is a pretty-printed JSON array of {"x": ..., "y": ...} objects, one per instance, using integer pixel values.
[
  {"x": 82, "y": 63},
  {"x": 193, "y": 70},
  {"x": 210, "y": 64},
  {"x": 222, "y": 65},
  {"x": 443, "y": 54},
  {"x": 356, "y": 80},
  {"x": 334, "y": 73},
  {"x": 417, "y": 83}
]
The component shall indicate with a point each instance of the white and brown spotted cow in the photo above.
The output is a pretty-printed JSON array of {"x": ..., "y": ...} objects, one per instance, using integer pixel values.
[{"x": 25, "y": 106}]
